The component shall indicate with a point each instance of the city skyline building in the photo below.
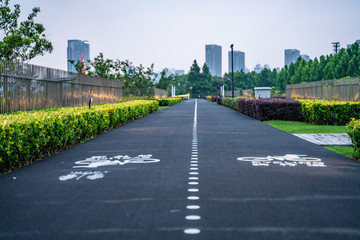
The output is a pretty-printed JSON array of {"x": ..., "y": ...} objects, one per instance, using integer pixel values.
[
  {"x": 305, "y": 57},
  {"x": 239, "y": 61},
  {"x": 258, "y": 68},
  {"x": 76, "y": 49},
  {"x": 213, "y": 59},
  {"x": 291, "y": 55}
]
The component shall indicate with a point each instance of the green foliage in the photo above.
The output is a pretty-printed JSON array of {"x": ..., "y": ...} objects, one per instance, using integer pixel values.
[
  {"x": 124, "y": 71},
  {"x": 169, "y": 101},
  {"x": 166, "y": 80},
  {"x": 354, "y": 133},
  {"x": 347, "y": 151},
  {"x": 330, "y": 112},
  {"x": 201, "y": 82},
  {"x": 22, "y": 41},
  {"x": 230, "y": 103},
  {"x": 27, "y": 136}
]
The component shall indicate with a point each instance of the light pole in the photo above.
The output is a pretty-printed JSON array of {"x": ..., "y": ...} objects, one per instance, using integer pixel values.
[{"x": 232, "y": 69}]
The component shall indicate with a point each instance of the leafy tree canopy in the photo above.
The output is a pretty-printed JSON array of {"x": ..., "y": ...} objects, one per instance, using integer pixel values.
[{"x": 22, "y": 41}]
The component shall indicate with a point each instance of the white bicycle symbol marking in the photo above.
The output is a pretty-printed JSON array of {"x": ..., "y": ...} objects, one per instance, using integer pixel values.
[
  {"x": 98, "y": 161},
  {"x": 77, "y": 175},
  {"x": 291, "y": 160}
]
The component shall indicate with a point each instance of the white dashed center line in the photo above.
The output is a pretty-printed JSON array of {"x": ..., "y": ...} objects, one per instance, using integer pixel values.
[{"x": 194, "y": 181}]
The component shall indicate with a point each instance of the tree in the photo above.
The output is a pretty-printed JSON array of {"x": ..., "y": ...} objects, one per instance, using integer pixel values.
[
  {"x": 22, "y": 41},
  {"x": 124, "y": 71},
  {"x": 201, "y": 82},
  {"x": 166, "y": 80}
]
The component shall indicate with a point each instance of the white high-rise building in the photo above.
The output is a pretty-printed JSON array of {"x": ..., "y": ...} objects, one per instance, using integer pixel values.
[
  {"x": 291, "y": 55},
  {"x": 239, "y": 61},
  {"x": 213, "y": 59}
]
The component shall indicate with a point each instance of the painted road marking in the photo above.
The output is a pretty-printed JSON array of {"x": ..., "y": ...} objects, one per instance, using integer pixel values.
[
  {"x": 291, "y": 160},
  {"x": 193, "y": 207},
  {"x": 193, "y": 198},
  {"x": 192, "y": 231},
  {"x": 193, "y": 167},
  {"x": 192, "y": 217}
]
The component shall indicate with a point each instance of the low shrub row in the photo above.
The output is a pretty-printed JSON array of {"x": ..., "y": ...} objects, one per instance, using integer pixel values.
[
  {"x": 271, "y": 109},
  {"x": 354, "y": 133},
  {"x": 230, "y": 103},
  {"x": 28, "y": 136},
  {"x": 327, "y": 112},
  {"x": 169, "y": 101}
]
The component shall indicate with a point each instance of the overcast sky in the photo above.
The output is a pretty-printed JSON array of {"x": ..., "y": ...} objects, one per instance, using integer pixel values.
[{"x": 172, "y": 33}]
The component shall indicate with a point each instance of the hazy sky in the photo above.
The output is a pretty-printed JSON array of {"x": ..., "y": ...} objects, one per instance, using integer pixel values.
[{"x": 173, "y": 33}]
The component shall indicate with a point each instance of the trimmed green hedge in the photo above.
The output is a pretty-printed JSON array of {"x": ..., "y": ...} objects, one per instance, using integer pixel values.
[
  {"x": 28, "y": 136},
  {"x": 325, "y": 112},
  {"x": 169, "y": 101},
  {"x": 354, "y": 133},
  {"x": 230, "y": 103}
]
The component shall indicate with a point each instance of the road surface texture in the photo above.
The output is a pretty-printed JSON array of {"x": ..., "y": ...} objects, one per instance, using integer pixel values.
[{"x": 195, "y": 170}]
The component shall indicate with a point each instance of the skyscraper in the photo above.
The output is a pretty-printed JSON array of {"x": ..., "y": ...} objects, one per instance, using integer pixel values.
[
  {"x": 75, "y": 49},
  {"x": 239, "y": 61},
  {"x": 291, "y": 55},
  {"x": 213, "y": 59},
  {"x": 305, "y": 57}
]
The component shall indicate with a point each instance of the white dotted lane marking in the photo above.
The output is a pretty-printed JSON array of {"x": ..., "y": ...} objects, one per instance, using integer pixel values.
[
  {"x": 193, "y": 207},
  {"x": 193, "y": 190},
  {"x": 193, "y": 198},
  {"x": 194, "y": 181},
  {"x": 193, "y": 178},
  {"x": 192, "y": 217},
  {"x": 192, "y": 231}
]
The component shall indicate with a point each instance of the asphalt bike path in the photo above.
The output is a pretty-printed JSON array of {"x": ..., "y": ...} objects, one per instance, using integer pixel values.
[{"x": 195, "y": 170}]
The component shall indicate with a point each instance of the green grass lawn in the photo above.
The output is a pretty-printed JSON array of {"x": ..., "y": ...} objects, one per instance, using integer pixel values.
[
  {"x": 162, "y": 107},
  {"x": 302, "y": 127},
  {"x": 347, "y": 151}
]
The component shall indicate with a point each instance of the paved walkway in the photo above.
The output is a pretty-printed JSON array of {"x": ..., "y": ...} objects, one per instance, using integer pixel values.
[
  {"x": 195, "y": 170},
  {"x": 340, "y": 139}
]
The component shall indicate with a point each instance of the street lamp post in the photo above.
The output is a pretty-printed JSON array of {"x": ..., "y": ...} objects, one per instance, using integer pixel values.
[{"x": 232, "y": 69}]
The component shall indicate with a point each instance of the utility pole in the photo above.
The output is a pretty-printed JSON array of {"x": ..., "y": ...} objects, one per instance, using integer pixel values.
[{"x": 336, "y": 46}]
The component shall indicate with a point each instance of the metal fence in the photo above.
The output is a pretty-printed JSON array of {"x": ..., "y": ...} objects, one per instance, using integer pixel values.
[
  {"x": 135, "y": 93},
  {"x": 342, "y": 89},
  {"x": 28, "y": 87}
]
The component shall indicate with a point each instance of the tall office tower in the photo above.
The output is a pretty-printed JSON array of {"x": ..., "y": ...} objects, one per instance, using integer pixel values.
[
  {"x": 305, "y": 57},
  {"x": 213, "y": 59},
  {"x": 291, "y": 55},
  {"x": 76, "y": 49},
  {"x": 239, "y": 61}
]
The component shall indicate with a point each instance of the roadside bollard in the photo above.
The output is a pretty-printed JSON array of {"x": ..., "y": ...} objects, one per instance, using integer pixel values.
[{"x": 90, "y": 101}]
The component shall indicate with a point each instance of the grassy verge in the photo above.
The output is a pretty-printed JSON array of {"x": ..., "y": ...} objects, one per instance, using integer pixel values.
[
  {"x": 302, "y": 127},
  {"x": 162, "y": 107},
  {"x": 347, "y": 151}
]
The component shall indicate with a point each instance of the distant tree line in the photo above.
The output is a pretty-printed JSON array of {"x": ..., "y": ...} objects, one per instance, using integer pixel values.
[
  {"x": 344, "y": 64},
  {"x": 199, "y": 82}
]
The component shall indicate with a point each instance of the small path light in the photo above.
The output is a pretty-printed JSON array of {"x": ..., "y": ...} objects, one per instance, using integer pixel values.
[{"x": 90, "y": 101}]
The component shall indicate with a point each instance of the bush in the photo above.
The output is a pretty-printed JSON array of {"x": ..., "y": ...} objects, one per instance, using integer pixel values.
[
  {"x": 168, "y": 101},
  {"x": 230, "y": 103},
  {"x": 354, "y": 133},
  {"x": 271, "y": 109},
  {"x": 325, "y": 112},
  {"x": 28, "y": 136}
]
